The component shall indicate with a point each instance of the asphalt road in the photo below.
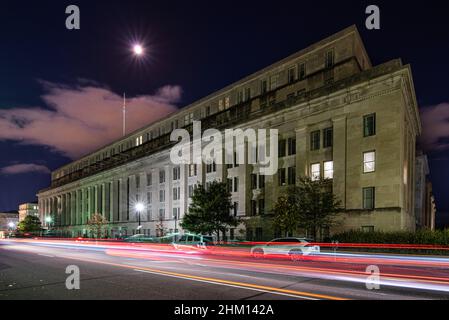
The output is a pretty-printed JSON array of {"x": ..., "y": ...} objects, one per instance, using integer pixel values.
[{"x": 37, "y": 270}]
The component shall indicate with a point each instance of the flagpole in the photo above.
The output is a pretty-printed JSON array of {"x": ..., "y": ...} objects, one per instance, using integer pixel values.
[{"x": 124, "y": 114}]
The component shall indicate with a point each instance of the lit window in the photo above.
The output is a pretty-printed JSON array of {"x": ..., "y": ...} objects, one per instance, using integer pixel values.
[
  {"x": 369, "y": 162},
  {"x": 315, "y": 171},
  {"x": 329, "y": 170}
]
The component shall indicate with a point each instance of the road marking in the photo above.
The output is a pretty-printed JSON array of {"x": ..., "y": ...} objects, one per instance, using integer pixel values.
[
  {"x": 229, "y": 285},
  {"x": 249, "y": 286}
]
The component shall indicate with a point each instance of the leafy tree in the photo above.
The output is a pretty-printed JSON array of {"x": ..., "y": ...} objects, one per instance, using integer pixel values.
[
  {"x": 96, "y": 225},
  {"x": 210, "y": 210},
  {"x": 160, "y": 227},
  {"x": 30, "y": 224},
  {"x": 286, "y": 215},
  {"x": 310, "y": 205}
]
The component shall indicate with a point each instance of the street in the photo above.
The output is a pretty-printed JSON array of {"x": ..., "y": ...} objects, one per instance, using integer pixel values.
[{"x": 36, "y": 269}]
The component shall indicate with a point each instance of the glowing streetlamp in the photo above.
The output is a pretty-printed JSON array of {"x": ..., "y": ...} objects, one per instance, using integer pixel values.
[
  {"x": 11, "y": 225},
  {"x": 138, "y": 50},
  {"x": 139, "y": 207}
]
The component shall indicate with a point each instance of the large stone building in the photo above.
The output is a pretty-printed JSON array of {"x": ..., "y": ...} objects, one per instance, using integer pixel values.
[{"x": 338, "y": 117}]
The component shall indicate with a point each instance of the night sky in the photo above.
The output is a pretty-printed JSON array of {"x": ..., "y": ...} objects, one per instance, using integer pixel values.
[{"x": 60, "y": 86}]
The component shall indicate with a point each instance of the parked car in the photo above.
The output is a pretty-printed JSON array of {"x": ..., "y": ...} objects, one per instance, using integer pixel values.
[
  {"x": 193, "y": 241},
  {"x": 294, "y": 248}
]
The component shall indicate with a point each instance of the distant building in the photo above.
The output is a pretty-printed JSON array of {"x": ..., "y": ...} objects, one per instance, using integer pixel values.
[
  {"x": 8, "y": 222},
  {"x": 28, "y": 209},
  {"x": 425, "y": 207}
]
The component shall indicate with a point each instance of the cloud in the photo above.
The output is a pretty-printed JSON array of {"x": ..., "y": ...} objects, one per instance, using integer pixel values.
[
  {"x": 84, "y": 117},
  {"x": 435, "y": 124},
  {"x": 24, "y": 168}
]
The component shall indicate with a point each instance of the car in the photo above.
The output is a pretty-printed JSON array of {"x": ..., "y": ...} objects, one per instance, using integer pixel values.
[
  {"x": 294, "y": 248},
  {"x": 138, "y": 238},
  {"x": 193, "y": 241}
]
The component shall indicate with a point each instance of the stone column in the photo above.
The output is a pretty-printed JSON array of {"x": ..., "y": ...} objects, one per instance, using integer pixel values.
[{"x": 339, "y": 158}]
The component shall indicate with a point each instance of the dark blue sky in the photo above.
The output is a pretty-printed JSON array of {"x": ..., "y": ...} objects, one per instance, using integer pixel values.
[{"x": 200, "y": 46}]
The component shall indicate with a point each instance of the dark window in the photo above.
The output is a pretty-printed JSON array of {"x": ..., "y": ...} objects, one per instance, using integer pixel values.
[
  {"x": 149, "y": 179},
  {"x": 282, "y": 178},
  {"x": 229, "y": 185},
  {"x": 328, "y": 137},
  {"x": 291, "y": 146},
  {"x": 368, "y": 198},
  {"x": 291, "y": 175},
  {"x": 291, "y": 75},
  {"x": 253, "y": 181},
  {"x": 302, "y": 71},
  {"x": 261, "y": 206},
  {"x": 161, "y": 176},
  {"x": 330, "y": 59},
  {"x": 236, "y": 184},
  {"x": 281, "y": 149},
  {"x": 137, "y": 181},
  {"x": 368, "y": 228},
  {"x": 261, "y": 182},
  {"x": 236, "y": 208},
  {"x": 253, "y": 208},
  {"x": 315, "y": 140},
  {"x": 369, "y": 125},
  {"x": 263, "y": 87}
]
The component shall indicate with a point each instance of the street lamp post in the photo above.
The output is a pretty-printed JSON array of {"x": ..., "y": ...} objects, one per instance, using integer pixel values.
[{"x": 139, "y": 208}]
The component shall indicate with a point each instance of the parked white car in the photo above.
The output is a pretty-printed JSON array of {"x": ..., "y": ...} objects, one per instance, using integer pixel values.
[{"x": 294, "y": 248}]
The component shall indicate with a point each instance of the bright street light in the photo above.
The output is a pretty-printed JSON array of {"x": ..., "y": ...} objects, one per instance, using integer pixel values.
[
  {"x": 139, "y": 207},
  {"x": 138, "y": 50},
  {"x": 11, "y": 225},
  {"x": 48, "y": 219}
]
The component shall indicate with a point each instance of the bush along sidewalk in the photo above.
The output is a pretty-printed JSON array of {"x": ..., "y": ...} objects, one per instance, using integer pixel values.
[{"x": 423, "y": 241}]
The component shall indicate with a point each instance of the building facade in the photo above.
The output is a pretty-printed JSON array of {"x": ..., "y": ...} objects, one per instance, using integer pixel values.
[
  {"x": 8, "y": 222},
  {"x": 28, "y": 209},
  {"x": 338, "y": 117},
  {"x": 425, "y": 208}
]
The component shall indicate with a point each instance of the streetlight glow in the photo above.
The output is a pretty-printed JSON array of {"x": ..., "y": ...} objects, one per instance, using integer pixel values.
[
  {"x": 48, "y": 219},
  {"x": 138, "y": 50},
  {"x": 139, "y": 207}
]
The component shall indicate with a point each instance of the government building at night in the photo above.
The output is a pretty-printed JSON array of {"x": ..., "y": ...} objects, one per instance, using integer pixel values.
[{"x": 339, "y": 117}]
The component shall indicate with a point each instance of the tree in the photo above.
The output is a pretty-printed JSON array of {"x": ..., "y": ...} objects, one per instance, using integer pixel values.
[
  {"x": 96, "y": 225},
  {"x": 210, "y": 210},
  {"x": 286, "y": 215},
  {"x": 30, "y": 224},
  {"x": 310, "y": 205},
  {"x": 160, "y": 227}
]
